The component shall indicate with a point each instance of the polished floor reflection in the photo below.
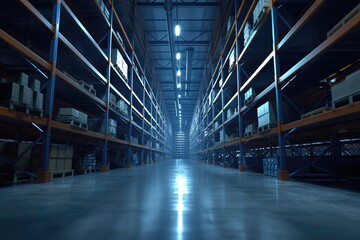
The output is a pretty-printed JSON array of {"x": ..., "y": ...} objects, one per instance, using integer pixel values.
[{"x": 177, "y": 199}]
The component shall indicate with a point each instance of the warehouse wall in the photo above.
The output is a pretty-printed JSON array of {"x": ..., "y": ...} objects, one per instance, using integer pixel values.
[{"x": 181, "y": 145}]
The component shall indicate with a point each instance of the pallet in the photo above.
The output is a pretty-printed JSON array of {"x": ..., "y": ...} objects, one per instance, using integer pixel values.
[
  {"x": 37, "y": 112},
  {"x": 248, "y": 134},
  {"x": 114, "y": 106},
  {"x": 25, "y": 109},
  {"x": 110, "y": 134},
  {"x": 89, "y": 88},
  {"x": 315, "y": 112},
  {"x": 62, "y": 174},
  {"x": 248, "y": 100},
  {"x": 21, "y": 177},
  {"x": 346, "y": 101},
  {"x": 85, "y": 171},
  {"x": 73, "y": 122},
  {"x": 266, "y": 127}
]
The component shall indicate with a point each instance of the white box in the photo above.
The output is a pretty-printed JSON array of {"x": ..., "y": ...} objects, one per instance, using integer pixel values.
[
  {"x": 23, "y": 79},
  {"x": 346, "y": 88},
  {"x": 249, "y": 95},
  {"x": 123, "y": 107},
  {"x": 229, "y": 114},
  {"x": 261, "y": 7},
  {"x": 125, "y": 69},
  {"x": 26, "y": 96},
  {"x": 38, "y": 100},
  {"x": 250, "y": 129},
  {"x": 266, "y": 115},
  {"x": 83, "y": 117},
  {"x": 232, "y": 59},
  {"x": 229, "y": 24},
  {"x": 69, "y": 113},
  {"x": 116, "y": 58},
  {"x": 35, "y": 85},
  {"x": 112, "y": 123}
]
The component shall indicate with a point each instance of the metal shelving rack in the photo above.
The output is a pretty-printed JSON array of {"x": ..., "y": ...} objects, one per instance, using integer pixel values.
[
  {"x": 291, "y": 61},
  {"x": 81, "y": 38}
]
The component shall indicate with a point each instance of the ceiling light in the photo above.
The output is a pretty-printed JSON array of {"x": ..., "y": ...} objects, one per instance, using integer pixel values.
[
  {"x": 178, "y": 56},
  {"x": 179, "y": 95},
  {"x": 178, "y": 73},
  {"x": 179, "y": 85},
  {"x": 177, "y": 30}
]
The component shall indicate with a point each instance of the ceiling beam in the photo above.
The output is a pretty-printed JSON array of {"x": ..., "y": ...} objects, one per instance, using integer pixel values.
[
  {"x": 169, "y": 69},
  {"x": 179, "y": 43},
  {"x": 179, "y": 4}
]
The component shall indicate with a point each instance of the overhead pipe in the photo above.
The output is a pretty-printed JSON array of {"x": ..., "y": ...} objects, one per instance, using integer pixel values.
[
  {"x": 189, "y": 59},
  {"x": 168, "y": 6}
]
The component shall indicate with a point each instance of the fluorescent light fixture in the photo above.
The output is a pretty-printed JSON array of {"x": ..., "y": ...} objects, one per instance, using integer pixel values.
[
  {"x": 178, "y": 73},
  {"x": 179, "y": 106},
  {"x": 177, "y": 30},
  {"x": 179, "y": 85},
  {"x": 178, "y": 56},
  {"x": 179, "y": 95}
]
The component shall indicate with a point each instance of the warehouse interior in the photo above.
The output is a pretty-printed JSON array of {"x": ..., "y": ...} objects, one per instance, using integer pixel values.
[{"x": 180, "y": 119}]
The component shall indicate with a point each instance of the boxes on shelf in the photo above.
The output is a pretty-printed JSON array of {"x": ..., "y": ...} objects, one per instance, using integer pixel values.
[
  {"x": 135, "y": 159},
  {"x": 112, "y": 127},
  {"x": 223, "y": 137},
  {"x": 119, "y": 62},
  {"x": 104, "y": 9},
  {"x": 229, "y": 24},
  {"x": 270, "y": 167},
  {"x": 35, "y": 85},
  {"x": 347, "y": 89},
  {"x": 26, "y": 96},
  {"x": 134, "y": 140},
  {"x": 120, "y": 39},
  {"x": 230, "y": 113},
  {"x": 85, "y": 161},
  {"x": 157, "y": 145},
  {"x": 23, "y": 79},
  {"x": 38, "y": 99},
  {"x": 72, "y": 115},
  {"x": 231, "y": 59},
  {"x": 250, "y": 129},
  {"x": 220, "y": 82},
  {"x": 216, "y": 124},
  {"x": 259, "y": 11},
  {"x": 266, "y": 117},
  {"x": 249, "y": 96},
  {"x": 343, "y": 21},
  {"x": 61, "y": 157},
  {"x": 247, "y": 33},
  {"x": 123, "y": 107}
]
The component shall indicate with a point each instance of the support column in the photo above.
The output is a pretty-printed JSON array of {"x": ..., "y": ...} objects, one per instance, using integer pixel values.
[
  {"x": 44, "y": 175},
  {"x": 104, "y": 164},
  {"x": 283, "y": 173},
  {"x": 238, "y": 48}
]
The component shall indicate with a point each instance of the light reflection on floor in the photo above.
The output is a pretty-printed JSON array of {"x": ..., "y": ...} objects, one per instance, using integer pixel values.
[{"x": 181, "y": 188}]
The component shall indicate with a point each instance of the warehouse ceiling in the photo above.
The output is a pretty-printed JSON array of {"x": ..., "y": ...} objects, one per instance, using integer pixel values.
[{"x": 196, "y": 19}]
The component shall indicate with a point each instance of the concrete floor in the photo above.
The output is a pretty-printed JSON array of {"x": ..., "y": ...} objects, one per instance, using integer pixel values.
[{"x": 176, "y": 200}]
